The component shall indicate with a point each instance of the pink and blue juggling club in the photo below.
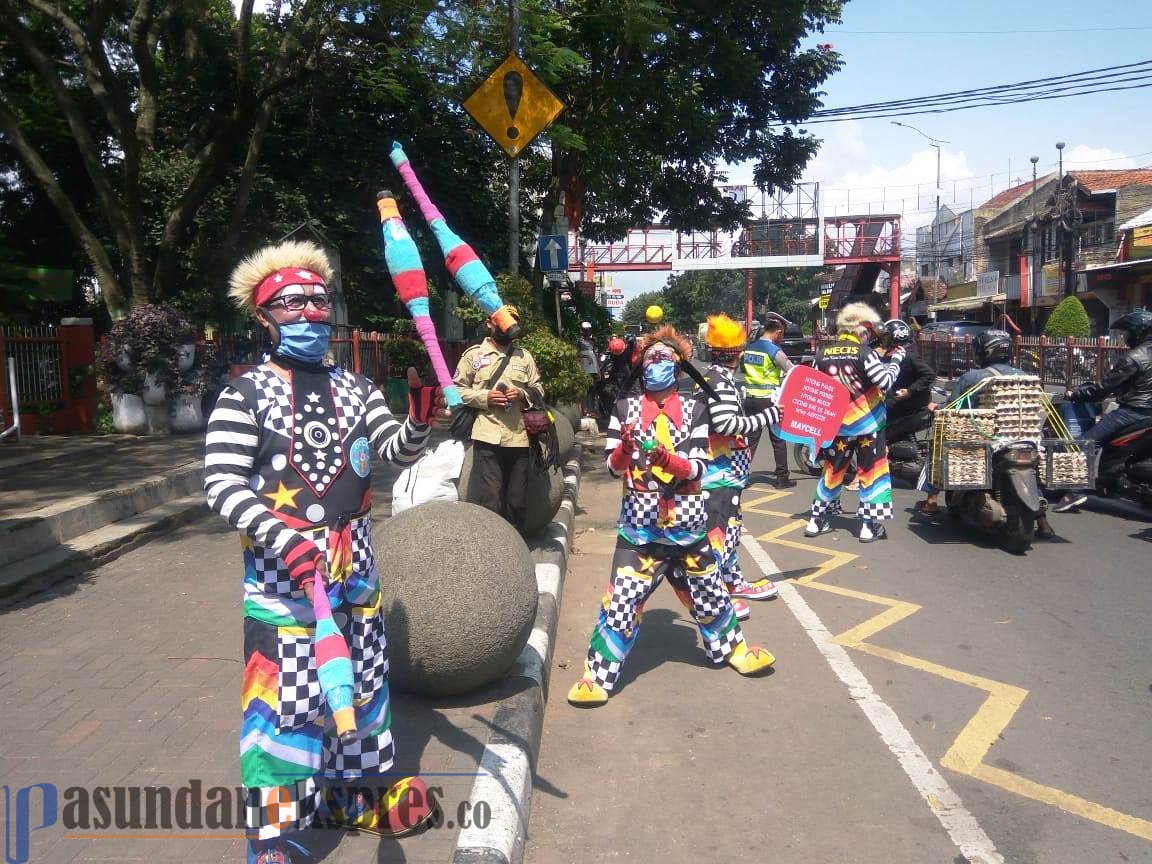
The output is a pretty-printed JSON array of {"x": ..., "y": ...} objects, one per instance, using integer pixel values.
[
  {"x": 460, "y": 258},
  {"x": 333, "y": 664},
  {"x": 407, "y": 271}
]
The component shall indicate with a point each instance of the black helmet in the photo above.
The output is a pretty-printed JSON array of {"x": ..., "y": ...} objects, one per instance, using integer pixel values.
[
  {"x": 1137, "y": 327},
  {"x": 899, "y": 332},
  {"x": 992, "y": 346}
]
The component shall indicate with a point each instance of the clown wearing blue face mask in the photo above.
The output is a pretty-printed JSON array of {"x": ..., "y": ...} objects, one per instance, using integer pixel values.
[
  {"x": 657, "y": 442},
  {"x": 288, "y": 463}
]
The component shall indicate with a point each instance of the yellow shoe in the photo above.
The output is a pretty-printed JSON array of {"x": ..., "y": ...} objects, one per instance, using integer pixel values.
[
  {"x": 587, "y": 693},
  {"x": 750, "y": 661}
]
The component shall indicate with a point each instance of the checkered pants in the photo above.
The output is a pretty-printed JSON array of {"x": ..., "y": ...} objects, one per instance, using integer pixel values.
[
  {"x": 636, "y": 572},
  {"x": 871, "y": 454},
  {"x": 725, "y": 524}
]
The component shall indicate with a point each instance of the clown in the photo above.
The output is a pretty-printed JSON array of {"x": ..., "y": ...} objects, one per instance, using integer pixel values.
[
  {"x": 731, "y": 461},
  {"x": 868, "y": 376},
  {"x": 658, "y": 442},
  {"x": 288, "y": 464}
]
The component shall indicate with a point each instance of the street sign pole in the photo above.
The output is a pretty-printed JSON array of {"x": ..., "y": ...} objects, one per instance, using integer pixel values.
[{"x": 514, "y": 165}]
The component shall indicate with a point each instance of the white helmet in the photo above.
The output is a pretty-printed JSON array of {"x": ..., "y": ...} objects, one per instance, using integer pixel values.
[{"x": 584, "y": 325}]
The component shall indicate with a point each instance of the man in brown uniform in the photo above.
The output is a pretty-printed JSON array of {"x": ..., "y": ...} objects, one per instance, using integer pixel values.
[{"x": 500, "y": 379}]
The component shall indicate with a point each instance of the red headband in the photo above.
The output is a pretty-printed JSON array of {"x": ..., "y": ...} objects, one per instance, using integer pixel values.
[{"x": 271, "y": 284}]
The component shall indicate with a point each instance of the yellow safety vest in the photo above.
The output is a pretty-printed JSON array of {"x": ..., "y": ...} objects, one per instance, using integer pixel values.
[{"x": 761, "y": 374}]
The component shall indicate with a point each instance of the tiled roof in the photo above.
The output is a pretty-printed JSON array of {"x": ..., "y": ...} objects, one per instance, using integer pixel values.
[
  {"x": 1103, "y": 181},
  {"x": 1012, "y": 195}
]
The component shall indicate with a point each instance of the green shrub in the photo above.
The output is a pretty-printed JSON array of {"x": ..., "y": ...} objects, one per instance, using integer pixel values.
[{"x": 1068, "y": 319}]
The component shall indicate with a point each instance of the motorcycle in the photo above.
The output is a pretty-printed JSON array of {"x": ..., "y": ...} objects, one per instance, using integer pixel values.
[
  {"x": 1125, "y": 466},
  {"x": 1008, "y": 509}
]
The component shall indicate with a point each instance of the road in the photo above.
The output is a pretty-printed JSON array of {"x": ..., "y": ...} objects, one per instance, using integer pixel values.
[{"x": 934, "y": 699}]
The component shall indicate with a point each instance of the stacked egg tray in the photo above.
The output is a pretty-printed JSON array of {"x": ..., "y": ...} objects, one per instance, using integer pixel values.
[
  {"x": 1018, "y": 403},
  {"x": 1070, "y": 464},
  {"x": 962, "y": 458}
]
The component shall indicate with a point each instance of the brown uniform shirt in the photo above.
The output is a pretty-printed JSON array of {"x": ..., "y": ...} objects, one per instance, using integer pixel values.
[{"x": 504, "y": 427}]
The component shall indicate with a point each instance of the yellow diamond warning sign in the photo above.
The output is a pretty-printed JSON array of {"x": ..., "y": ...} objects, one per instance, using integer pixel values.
[{"x": 513, "y": 106}]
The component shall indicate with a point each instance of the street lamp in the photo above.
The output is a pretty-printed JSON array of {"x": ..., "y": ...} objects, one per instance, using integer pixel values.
[{"x": 932, "y": 142}]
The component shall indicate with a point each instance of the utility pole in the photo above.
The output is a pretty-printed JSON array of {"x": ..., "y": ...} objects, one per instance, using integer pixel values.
[
  {"x": 1034, "y": 250},
  {"x": 932, "y": 142},
  {"x": 1066, "y": 203},
  {"x": 514, "y": 165}
]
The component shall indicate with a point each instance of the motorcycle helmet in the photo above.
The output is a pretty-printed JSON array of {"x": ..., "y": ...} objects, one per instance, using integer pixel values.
[
  {"x": 992, "y": 346},
  {"x": 755, "y": 331},
  {"x": 616, "y": 346},
  {"x": 1137, "y": 327},
  {"x": 899, "y": 332}
]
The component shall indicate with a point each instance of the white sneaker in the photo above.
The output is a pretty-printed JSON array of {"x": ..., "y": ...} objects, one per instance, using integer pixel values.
[
  {"x": 870, "y": 531},
  {"x": 816, "y": 527}
]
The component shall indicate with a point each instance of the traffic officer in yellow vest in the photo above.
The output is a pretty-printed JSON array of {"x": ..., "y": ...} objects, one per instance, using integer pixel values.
[{"x": 765, "y": 365}]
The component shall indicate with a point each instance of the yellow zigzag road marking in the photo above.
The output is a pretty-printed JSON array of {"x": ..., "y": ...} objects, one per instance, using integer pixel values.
[{"x": 966, "y": 755}]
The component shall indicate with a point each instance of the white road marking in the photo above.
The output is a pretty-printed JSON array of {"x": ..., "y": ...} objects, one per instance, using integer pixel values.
[
  {"x": 504, "y": 782},
  {"x": 945, "y": 804},
  {"x": 548, "y": 579}
]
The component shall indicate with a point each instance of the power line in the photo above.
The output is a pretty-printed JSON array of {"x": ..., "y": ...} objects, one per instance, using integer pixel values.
[
  {"x": 1124, "y": 77},
  {"x": 1001, "y": 32}
]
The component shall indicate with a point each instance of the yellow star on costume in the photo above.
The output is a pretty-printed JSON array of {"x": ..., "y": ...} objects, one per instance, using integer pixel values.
[
  {"x": 841, "y": 446},
  {"x": 866, "y": 442},
  {"x": 646, "y": 562},
  {"x": 282, "y": 497}
]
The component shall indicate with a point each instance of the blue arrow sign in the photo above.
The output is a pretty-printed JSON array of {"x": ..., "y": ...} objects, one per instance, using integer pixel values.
[{"x": 553, "y": 252}]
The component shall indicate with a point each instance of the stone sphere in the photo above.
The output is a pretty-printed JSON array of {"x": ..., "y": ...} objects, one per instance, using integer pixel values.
[{"x": 459, "y": 596}]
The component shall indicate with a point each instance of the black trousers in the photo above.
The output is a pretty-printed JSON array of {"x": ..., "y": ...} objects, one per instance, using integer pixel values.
[
  {"x": 500, "y": 480},
  {"x": 753, "y": 405}
]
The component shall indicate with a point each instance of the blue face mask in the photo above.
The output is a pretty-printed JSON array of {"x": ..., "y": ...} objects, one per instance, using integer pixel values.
[
  {"x": 306, "y": 341},
  {"x": 660, "y": 375}
]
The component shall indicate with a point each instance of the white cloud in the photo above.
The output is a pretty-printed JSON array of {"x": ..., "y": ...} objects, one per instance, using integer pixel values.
[{"x": 1103, "y": 158}]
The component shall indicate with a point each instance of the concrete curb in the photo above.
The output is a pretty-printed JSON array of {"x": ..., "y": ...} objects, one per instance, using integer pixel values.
[{"x": 504, "y": 779}]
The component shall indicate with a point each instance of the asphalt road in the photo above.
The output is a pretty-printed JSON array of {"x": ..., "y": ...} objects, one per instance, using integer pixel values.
[{"x": 935, "y": 699}]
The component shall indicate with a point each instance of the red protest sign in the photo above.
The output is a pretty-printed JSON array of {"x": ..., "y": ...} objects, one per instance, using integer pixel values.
[{"x": 812, "y": 406}]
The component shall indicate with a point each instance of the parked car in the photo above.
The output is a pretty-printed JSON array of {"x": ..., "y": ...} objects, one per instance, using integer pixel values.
[
  {"x": 796, "y": 345},
  {"x": 953, "y": 358}
]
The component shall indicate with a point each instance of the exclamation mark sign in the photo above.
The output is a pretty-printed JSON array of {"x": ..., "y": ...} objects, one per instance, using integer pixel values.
[{"x": 513, "y": 90}]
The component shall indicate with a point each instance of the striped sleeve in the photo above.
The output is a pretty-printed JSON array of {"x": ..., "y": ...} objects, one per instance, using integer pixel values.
[
  {"x": 230, "y": 453},
  {"x": 883, "y": 373},
  {"x": 400, "y": 443},
  {"x": 727, "y": 414},
  {"x": 697, "y": 441},
  {"x": 612, "y": 436}
]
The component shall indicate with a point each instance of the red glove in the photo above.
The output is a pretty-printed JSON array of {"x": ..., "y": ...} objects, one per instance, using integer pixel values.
[
  {"x": 304, "y": 561},
  {"x": 422, "y": 403},
  {"x": 621, "y": 457},
  {"x": 677, "y": 466}
]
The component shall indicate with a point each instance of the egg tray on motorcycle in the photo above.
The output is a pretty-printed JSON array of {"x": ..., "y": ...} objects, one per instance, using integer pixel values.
[
  {"x": 1070, "y": 464},
  {"x": 961, "y": 456},
  {"x": 1019, "y": 403}
]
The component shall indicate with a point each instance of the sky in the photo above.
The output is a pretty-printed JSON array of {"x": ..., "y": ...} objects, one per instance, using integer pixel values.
[{"x": 872, "y": 164}]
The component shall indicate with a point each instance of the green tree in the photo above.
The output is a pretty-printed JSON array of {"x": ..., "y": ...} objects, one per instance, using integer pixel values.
[
  {"x": 665, "y": 92},
  {"x": 157, "y": 101},
  {"x": 633, "y": 312},
  {"x": 691, "y": 297},
  {"x": 1069, "y": 318}
]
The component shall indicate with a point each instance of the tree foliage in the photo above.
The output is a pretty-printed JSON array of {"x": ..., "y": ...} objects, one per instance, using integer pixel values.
[
  {"x": 166, "y": 137},
  {"x": 1069, "y": 318},
  {"x": 633, "y": 312}
]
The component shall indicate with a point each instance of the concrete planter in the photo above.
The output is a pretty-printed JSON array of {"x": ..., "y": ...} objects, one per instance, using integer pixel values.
[
  {"x": 154, "y": 393},
  {"x": 185, "y": 414},
  {"x": 185, "y": 357},
  {"x": 128, "y": 415}
]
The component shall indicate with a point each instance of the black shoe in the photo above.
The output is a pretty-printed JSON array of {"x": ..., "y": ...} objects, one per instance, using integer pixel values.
[
  {"x": 1069, "y": 501},
  {"x": 785, "y": 483}
]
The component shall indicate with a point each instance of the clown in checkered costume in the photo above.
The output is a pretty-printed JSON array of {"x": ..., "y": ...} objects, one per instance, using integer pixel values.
[
  {"x": 657, "y": 442},
  {"x": 288, "y": 462},
  {"x": 730, "y": 460},
  {"x": 868, "y": 377}
]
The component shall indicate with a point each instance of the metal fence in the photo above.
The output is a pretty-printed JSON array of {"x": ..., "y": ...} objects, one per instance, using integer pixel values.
[
  {"x": 1058, "y": 362},
  {"x": 34, "y": 352}
]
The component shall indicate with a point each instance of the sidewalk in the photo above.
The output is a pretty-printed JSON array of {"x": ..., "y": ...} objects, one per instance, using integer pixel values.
[{"x": 130, "y": 676}]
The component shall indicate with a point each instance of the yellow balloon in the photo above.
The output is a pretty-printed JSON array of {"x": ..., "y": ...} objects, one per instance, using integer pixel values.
[{"x": 654, "y": 314}]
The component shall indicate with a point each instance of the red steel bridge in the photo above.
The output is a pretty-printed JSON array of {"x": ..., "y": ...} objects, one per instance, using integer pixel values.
[{"x": 790, "y": 234}]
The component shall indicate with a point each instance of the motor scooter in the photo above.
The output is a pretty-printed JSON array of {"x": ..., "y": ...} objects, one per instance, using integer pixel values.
[{"x": 1008, "y": 507}]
